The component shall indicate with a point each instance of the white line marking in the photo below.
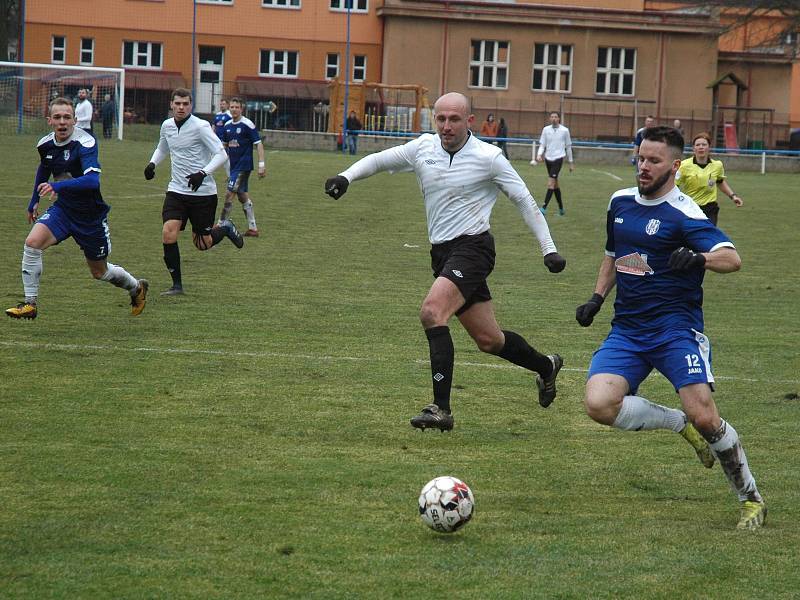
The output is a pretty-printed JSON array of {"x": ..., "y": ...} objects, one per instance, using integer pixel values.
[
  {"x": 607, "y": 173},
  {"x": 319, "y": 357}
]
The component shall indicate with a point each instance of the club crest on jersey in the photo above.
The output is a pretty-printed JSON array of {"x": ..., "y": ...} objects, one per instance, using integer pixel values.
[
  {"x": 238, "y": 130},
  {"x": 66, "y": 154},
  {"x": 652, "y": 226},
  {"x": 634, "y": 264}
]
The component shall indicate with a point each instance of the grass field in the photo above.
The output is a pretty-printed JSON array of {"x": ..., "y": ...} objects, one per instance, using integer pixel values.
[{"x": 251, "y": 439}]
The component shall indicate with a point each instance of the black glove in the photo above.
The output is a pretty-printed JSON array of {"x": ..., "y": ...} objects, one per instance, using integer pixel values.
[
  {"x": 555, "y": 262},
  {"x": 585, "y": 313},
  {"x": 196, "y": 180},
  {"x": 684, "y": 259},
  {"x": 150, "y": 171},
  {"x": 335, "y": 187}
]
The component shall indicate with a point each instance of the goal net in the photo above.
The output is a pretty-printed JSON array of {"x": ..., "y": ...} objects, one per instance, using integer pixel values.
[{"x": 26, "y": 90}]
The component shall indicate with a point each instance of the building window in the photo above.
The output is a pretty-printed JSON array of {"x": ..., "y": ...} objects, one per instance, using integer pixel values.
[
  {"x": 141, "y": 55},
  {"x": 87, "y": 51},
  {"x": 332, "y": 66},
  {"x": 280, "y": 3},
  {"x": 215, "y": 1},
  {"x": 359, "y": 67},
  {"x": 278, "y": 63},
  {"x": 355, "y": 5},
  {"x": 488, "y": 65},
  {"x": 616, "y": 70},
  {"x": 59, "y": 49},
  {"x": 552, "y": 68}
]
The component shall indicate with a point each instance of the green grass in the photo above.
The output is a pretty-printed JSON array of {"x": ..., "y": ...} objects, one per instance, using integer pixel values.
[{"x": 251, "y": 439}]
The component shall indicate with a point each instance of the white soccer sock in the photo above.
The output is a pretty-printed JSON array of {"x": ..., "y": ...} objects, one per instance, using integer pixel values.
[
  {"x": 119, "y": 277},
  {"x": 247, "y": 207},
  {"x": 31, "y": 272},
  {"x": 730, "y": 454},
  {"x": 639, "y": 414}
]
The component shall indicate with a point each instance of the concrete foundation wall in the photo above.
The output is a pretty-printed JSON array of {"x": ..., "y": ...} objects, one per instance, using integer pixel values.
[{"x": 305, "y": 140}]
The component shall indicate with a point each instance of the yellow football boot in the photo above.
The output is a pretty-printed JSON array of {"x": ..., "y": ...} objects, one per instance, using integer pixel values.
[{"x": 23, "y": 310}]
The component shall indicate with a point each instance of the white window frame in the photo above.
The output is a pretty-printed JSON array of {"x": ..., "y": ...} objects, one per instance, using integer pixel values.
[
  {"x": 142, "y": 48},
  {"x": 275, "y": 59},
  {"x": 610, "y": 72},
  {"x": 494, "y": 66},
  {"x": 54, "y": 49},
  {"x": 329, "y": 65},
  {"x": 89, "y": 62},
  {"x": 358, "y": 6},
  {"x": 284, "y": 4},
  {"x": 222, "y": 2},
  {"x": 557, "y": 67},
  {"x": 363, "y": 67}
]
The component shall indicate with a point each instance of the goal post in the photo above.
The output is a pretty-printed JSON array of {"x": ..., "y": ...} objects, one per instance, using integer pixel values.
[{"x": 26, "y": 90}]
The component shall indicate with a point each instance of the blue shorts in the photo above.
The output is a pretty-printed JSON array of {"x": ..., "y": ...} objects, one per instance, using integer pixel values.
[
  {"x": 238, "y": 180},
  {"x": 90, "y": 232},
  {"x": 683, "y": 356}
]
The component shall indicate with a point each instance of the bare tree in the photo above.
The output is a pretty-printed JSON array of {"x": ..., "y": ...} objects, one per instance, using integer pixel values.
[
  {"x": 773, "y": 26},
  {"x": 9, "y": 25}
]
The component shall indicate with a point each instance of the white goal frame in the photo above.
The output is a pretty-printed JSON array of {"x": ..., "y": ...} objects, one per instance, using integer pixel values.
[{"x": 120, "y": 99}]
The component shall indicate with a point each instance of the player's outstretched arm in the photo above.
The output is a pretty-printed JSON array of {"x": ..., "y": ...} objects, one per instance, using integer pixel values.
[{"x": 606, "y": 279}]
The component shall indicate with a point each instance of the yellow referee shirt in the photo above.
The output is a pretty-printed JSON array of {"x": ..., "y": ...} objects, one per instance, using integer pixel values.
[{"x": 700, "y": 182}]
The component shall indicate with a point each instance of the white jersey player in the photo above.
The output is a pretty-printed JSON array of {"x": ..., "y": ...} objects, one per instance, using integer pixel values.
[{"x": 460, "y": 177}]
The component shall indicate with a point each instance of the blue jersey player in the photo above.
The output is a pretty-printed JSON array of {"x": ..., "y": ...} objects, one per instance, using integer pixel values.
[
  {"x": 222, "y": 117},
  {"x": 659, "y": 245},
  {"x": 239, "y": 137},
  {"x": 69, "y": 156}
]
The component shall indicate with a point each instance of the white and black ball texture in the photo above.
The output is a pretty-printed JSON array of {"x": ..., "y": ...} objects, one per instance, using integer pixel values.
[{"x": 446, "y": 504}]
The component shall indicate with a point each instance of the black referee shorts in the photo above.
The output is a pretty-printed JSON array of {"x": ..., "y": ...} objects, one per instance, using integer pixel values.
[
  {"x": 553, "y": 167},
  {"x": 467, "y": 261},
  {"x": 199, "y": 210}
]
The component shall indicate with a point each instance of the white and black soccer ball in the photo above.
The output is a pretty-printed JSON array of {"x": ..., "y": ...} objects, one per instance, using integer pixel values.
[{"x": 446, "y": 504}]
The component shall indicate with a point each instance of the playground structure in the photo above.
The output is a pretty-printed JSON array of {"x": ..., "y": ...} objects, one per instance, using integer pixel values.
[{"x": 381, "y": 106}]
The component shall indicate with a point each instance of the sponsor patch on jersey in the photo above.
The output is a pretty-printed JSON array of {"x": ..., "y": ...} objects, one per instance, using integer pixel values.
[
  {"x": 652, "y": 226},
  {"x": 633, "y": 264}
]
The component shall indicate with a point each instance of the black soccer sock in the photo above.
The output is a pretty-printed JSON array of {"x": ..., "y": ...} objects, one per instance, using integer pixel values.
[
  {"x": 172, "y": 258},
  {"x": 217, "y": 235},
  {"x": 558, "y": 198},
  {"x": 442, "y": 356},
  {"x": 519, "y": 352},
  {"x": 547, "y": 197}
]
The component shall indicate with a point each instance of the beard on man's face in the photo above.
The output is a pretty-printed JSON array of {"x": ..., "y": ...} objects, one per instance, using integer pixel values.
[{"x": 655, "y": 185}]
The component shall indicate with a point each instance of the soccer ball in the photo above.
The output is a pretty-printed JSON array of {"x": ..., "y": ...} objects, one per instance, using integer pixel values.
[{"x": 446, "y": 504}]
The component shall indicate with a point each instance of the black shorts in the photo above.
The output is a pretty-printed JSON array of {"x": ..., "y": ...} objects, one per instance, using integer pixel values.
[
  {"x": 711, "y": 210},
  {"x": 553, "y": 167},
  {"x": 200, "y": 210},
  {"x": 467, "y": 261}
]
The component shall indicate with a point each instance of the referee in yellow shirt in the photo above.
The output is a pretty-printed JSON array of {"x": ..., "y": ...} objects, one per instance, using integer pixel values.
[{"x": 701, "y": 175}]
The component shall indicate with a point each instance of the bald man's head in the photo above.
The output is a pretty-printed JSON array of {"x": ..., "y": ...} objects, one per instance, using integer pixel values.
[
  {"x": 452, "y": 101},
  {"x": 452, "y": 117}
]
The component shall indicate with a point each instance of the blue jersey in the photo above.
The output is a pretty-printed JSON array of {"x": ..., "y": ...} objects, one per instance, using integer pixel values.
[
  {"x": 220, "y": 119},
  {"x": 240, "y": 137},
  {"x": 642, "y": 234},
  {"x": 75, "y": 171}
]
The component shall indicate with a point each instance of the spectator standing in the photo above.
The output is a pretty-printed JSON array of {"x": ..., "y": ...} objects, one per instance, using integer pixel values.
[
  {"x": 502, "y": 133},
  {"x": 353, "y": 126},
  {"x": 84, "y": 111},
  {"x": 108, "y": 114}
]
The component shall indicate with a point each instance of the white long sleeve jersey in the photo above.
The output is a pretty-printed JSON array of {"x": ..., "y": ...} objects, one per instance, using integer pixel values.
[
  {"x": 83, "y": 114},
  {"x": 459, "y": 190},
  {"x": 555, "y": 143},
  {"x": 193, "y": 147}
]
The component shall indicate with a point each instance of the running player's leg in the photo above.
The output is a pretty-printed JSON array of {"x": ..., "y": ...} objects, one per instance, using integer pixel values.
[
  {"x": 226, "y": 207},
  {"x": 441, "y": 303},
  {"x": 247, "y": 204},
  {"x": 174, "y": 215},
  {"x": 727, "y": 447},
  {"x": 40, "y": 238},
  {"x": 95, "y": 241}
]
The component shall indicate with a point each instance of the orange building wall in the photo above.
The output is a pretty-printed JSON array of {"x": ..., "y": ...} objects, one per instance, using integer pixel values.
[{"x": 243, "y": 29}]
